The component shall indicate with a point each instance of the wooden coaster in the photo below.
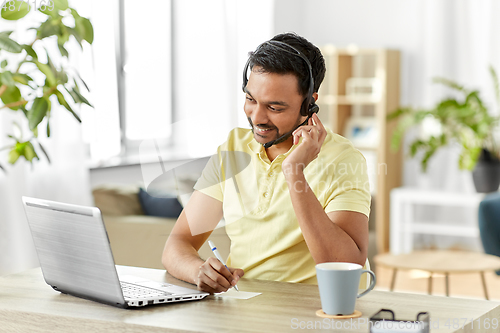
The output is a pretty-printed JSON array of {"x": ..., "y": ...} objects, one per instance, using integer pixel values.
[{"x": 355, "y": 314}]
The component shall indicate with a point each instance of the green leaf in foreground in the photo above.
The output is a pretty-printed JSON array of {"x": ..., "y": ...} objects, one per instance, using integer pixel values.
[
  {"x": 15, "y": 9},
  {"x": 8, "y": 44},
  {"x": 38, "y": 111},
  {"x": 11, "y": 95}
]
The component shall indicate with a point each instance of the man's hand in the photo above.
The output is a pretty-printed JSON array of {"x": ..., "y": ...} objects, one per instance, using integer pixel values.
[
  {"x": 314, "y": 135},
  {"x": 214, "y": 277}
]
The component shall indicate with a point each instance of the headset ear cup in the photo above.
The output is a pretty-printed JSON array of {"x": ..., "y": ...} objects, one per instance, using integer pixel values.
[{"x": 313, "y": 108}]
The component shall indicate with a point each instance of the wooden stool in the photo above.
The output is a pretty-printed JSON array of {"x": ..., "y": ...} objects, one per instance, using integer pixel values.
[{"x": 440, "y": 261}]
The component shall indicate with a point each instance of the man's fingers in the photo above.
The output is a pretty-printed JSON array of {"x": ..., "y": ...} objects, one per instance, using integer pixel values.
[
  {"x": 317, "y": 121},
  {"x": 306, "y": 135},
  {"x": 203, "y": 286},
  {"x": 219, "y": 279},
  {"x": 210, "y": 274},
  {"x": 237, "y": 274},
  {"x": 221, "y": 269}
]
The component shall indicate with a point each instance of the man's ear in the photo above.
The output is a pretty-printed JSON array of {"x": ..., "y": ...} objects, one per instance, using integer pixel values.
[{"x": 315, "y": 96}]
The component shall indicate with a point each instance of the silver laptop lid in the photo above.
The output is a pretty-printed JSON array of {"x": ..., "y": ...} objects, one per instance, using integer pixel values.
[{"x": 73, "y": 250}]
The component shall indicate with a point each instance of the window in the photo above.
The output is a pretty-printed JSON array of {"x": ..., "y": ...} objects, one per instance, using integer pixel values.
[
  {"x": 144, "y": 72},
  {"x": 187, "y": 108}
]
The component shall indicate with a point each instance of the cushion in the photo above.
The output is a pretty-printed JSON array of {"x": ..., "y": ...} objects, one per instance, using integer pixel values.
[
  {"x": 159, "y": 206},
  {"x": 117, "y": 200}
]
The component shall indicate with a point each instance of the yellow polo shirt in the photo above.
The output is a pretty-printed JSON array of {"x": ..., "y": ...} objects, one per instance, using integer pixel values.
[{"x": 266, "y": 240}]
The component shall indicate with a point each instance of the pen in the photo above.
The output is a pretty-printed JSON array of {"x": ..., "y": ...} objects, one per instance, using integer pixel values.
[{"x": 218, "y": 256}]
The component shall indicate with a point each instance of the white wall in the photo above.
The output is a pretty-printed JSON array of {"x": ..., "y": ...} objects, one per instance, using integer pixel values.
[{"x": 383, "y": 23}]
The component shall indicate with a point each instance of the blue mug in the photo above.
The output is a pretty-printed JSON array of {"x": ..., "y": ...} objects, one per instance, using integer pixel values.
[{"x": 338, "y": 284}]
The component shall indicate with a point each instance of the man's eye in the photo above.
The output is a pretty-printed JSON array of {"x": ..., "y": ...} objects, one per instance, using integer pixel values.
[{"x": 249, "y": 99}]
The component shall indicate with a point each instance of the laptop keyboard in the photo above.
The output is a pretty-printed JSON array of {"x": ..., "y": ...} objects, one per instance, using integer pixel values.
[{"x": 131, "y": 290}]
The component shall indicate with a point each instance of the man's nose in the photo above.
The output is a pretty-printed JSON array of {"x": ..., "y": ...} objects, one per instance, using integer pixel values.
[{"x": 259, "y": 114}]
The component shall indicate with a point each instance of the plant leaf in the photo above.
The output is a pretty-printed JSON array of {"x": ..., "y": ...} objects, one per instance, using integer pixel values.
[
  {"x": 15, "y": 11},
  {"x": 9, "y": 45},
  {"x": 77, "y": 36},
  {"x": 75, "y": 13},
  {"x": 62, "y": 50},
  {"x": 449, "y": 83},
  {"x": 6, "y": 78},
  {"x": 50, "y": 27},
  {"x": 29, "y": 152},
  {"x": 63, "y": 102},
  {"x": 398, "y": 113},
  {"x": 22, "y": 78},
  {"x": 53, "y": 7},
  {"x": 31, "y": 52},
  {"x": 84, "y": 84},
  {"x": 4, "y": 64},
  {"x": 11, "y": 94},
  {"x": 13, "y": 156},
  {"x": 45, "y": 69},
  {"x": 77, "y": 97},
  {"x": 84, "y": 29},
  {"x": 44, "y": 151},
  {"x": 38, "y": 111},
  {"x": 61, "y": 4}
]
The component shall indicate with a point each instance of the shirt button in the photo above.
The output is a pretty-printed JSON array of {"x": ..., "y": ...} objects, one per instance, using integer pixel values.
[
  {"x": 266, "y": 194},
  {"x": 271, "y": 174}
]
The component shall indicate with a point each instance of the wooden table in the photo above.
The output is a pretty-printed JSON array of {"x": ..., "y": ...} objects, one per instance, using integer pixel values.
[
  {"x": 27, "y": 304},
  {"x": 440, "y": 261}
]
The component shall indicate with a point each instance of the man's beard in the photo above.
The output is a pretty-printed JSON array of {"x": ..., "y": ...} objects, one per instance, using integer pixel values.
[{"x": 286, "y": 137}]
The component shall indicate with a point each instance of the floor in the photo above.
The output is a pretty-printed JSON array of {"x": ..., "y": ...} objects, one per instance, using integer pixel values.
[{"x": 461, "y": 285}]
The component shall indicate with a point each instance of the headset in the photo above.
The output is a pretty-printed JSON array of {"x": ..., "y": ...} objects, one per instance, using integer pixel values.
[{"x": 308, "y": 107}]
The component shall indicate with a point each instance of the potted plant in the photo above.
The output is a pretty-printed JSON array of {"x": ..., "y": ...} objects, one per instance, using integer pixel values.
[
  {"x": 464, "y": 120},
  {"x": 20, "y": 92}
]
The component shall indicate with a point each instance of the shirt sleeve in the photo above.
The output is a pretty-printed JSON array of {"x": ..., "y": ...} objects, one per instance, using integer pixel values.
[
  {"x": 350, "y": 189},
  {"x": 210, "y": 182}
]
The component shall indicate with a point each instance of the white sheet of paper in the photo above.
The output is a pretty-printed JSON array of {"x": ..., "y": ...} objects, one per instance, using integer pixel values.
[{"x": 232, "y": 293}]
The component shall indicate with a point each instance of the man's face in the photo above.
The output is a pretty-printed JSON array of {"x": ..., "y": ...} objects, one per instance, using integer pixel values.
[{"x": 272, "y": 105}]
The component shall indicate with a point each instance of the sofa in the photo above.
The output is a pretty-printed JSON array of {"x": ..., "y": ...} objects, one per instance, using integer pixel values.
[{"x": 138, "y": 239}]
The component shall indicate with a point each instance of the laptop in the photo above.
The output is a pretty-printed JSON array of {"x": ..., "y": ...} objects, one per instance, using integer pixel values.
[{"x": 76, "y": 259}]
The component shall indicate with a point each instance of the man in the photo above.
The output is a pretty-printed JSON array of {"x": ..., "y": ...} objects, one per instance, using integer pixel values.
[{"x": 292, "y": 193}]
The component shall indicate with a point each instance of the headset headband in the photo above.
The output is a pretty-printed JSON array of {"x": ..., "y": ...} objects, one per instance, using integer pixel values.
[{"x": 309, "y": 106}]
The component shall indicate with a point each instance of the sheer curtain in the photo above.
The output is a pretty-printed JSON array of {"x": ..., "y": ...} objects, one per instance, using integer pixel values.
[
  {"x": 211, "y": 44},
  {"x": 459, "y": 41},
  {"x": 65, "y": 179}
]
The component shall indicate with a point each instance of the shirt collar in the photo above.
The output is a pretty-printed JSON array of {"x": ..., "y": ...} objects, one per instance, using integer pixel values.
[{"x": 254, "y": 146}]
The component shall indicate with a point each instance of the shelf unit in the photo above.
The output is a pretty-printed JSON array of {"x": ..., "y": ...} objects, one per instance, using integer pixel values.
[
  {"x": 405, "y": 224},
  {"x": 341, "y": 108}
]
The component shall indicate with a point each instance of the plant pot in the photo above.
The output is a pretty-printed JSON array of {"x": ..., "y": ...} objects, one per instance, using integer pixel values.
[{"x": 486, "y": 174}]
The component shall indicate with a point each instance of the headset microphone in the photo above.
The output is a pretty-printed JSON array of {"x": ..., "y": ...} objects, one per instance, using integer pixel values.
[{"x": 284, "y": 136}]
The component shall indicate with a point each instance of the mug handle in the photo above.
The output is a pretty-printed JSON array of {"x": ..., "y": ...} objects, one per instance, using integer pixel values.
[{"x": 372, "y": 284}]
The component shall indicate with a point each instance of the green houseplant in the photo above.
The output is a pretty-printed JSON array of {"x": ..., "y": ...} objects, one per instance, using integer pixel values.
[
  {"x": 464, "y": 120},
  {"x": 20, "y": 63}
]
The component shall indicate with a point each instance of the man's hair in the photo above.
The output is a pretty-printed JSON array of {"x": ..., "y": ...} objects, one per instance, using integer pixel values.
[{"x": 272, "y": 59}]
